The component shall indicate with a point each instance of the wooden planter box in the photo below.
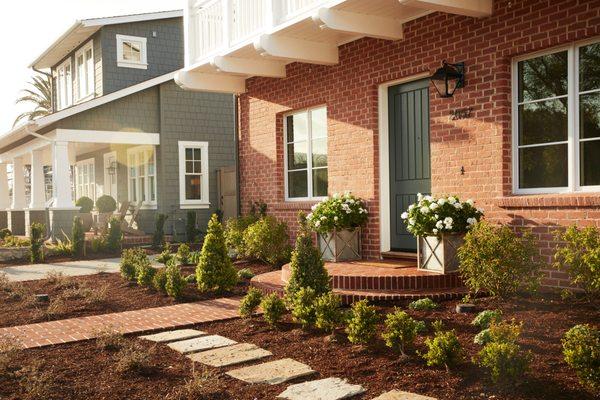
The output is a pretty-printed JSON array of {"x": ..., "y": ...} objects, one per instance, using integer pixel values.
[
  {"x": 341, "y": 245},
  {"x": 438, "y": 253}
]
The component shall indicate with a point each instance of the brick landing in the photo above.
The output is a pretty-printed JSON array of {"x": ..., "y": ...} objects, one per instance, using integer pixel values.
[{"x": 138, "y": 321}]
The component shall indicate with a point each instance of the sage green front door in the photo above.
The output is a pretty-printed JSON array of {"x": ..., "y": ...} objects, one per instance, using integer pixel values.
[{"x": 410, "y": 164}]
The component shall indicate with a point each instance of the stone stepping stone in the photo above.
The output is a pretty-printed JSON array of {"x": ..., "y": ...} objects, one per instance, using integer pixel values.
[
  {"x": 230, "y": 355},
  {"x": 273, "y": 373},
  {"x": 322, "y": 389},
  {"x": 400, "y": 395},
  {"x": 201, "y": 343},
  {"x": 172, "y": 336}
]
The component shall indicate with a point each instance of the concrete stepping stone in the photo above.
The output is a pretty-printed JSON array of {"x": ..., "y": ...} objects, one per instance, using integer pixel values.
[
  {"x": 400, "y": 395},
  {"x": 172, "y": 336},
  {"x": 201, "y": 343},
  {"x": 230, "y": 355},
  {"x": 322, "y": 389},
  {"x": 273, "y": 373}
]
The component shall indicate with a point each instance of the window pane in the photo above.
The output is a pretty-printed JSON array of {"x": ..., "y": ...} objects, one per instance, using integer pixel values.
[
  {"x": 543, "y": 77},
  {"x": 544, "y": 166},
  {"x": 297, "y": 127},
  {"x": 589, "y": 67},
  {"x": 590, "y": 163},
  {"x": 142, "y": 189},
  {"x": 132, "y": 51},
  {"x": 319, "y": 153},
  {"x": 297, "y": 155},
  {"x": 297, "y": 184},
  {"x": 132, "y": 190},
  {"x": 193, "y": 190},
  {"x": 189, "y": 167},
  {"x": 189, "y": 154},
  {"x": 320, "y": 182},
  {"x": 151, "y": 187},
  {"x": 543, "y": 122},
  {"x": 90, "y": 72},
  {"x": 589, "y": 115},
  {"x": 197, "y": 154},
  {"x": 198, "y": 167},
  {"x": 319, "y": 123}
]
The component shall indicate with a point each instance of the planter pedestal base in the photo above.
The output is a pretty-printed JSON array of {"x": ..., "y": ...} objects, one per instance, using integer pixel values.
[{"x": 438, "y": 253}]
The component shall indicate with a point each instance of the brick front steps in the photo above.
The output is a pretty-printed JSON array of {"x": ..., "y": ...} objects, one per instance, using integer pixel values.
[{"x": 376, "y": 281}]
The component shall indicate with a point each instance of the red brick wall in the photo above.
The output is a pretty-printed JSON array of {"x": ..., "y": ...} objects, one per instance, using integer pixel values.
[{"x": 481, "y": 144}]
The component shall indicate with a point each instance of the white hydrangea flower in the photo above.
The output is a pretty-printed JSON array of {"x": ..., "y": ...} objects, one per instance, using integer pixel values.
[
  {"x": 404, "y": 215},
  {"x": 433, "y": 206},
  {"x": 336, "y": 195},
  {"x": 428, "y": 198},
  {"x": 470, "y": 202},
  {"x": 439, "y": 224},
  {"x": 411, "y": 221},
  {"x": 441, "y": 201},
  {"x": 314, "y": 207},
  {"x": 480, "y": 210},
  {"x": 436, "y": 217},
  {"x": 435, "y": 231},
  {"x": 419, "y": 196},
  {"x": 458, "y": 206},
  {"x": 451, "y": 200},
  {"x": 323, "y": 218},
  {"x": 448, "y": 220},
  {"x": 411, "y": 207},
  {"x": 471, "y": 221},
  {"x": 309, "y": 216},
  {"x": 317, "y": 223},
  {"x": 425, "y": 210},
  {"x": 335, "y": 218}
]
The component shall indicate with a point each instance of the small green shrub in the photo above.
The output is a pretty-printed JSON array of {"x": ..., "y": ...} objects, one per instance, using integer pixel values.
[
  {"x": 106, "y": 204},
  {"x": 176, "y": 283},
  {"x": 496, "y": 260},
  {"x": 129, "y": 261},
  {"x": 36, "y": 238},
  {"x": 158, "y": 238},
  {"x": 234, "y": 233},
  {"x": 159, "y": 281},
  {"x": 77, "y": 238},
  {"x": 362, "y": 323},
  {"x": 250, "y": 302},
  {"x": 195, "y": 257},
  {"x": 425, "y": 304},
  {"x": 303, "y": 307},
  {"x": 191, "y": 231},
  {"x": 114, "y": 236},
  {"x": 504, "y": 360},
  {"x": 401, "y": 330},
  {"x": 267, "y": 240},
  {"x": 165, "y": 256},
  {"x": 273, "y": 308},
  {"x": 191, "y": 278},
  {"x": 580, "y": 258},
  {"x": 4, "y": 232},
  {"x": 443, "y": 350},
  {"x": 85, "y": 204},
  {"x": 486, "y": 317},
  {"x": 505, "y": 332},
  {"x": 581, "y": 348},
  {"x": 183, "y": 254},
  {"x": 328, "y": 312},
  {"x": 245, "y": 273},
  {"x": 144, "y": 272},
  {"x": 483, "y": 337},
  {"x": 133, "y": 358},
  {"x": 97, "y": 244}
]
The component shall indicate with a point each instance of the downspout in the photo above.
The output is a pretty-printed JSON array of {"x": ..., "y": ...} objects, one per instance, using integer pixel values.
[{"x": 236, "y": 129}]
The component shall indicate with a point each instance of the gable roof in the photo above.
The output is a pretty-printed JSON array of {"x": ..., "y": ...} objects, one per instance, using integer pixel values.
[{"x": 81, "y": 30}]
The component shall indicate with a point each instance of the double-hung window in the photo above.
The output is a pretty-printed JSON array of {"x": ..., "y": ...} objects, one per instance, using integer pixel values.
[
  {"x": 85, "y": 179},
  {"x": 64, "y": 85},
  {"x": 556, "y": 121},
  {"x": 193, "y": 174},
  {"x": 141, "y": 175},
  {"x": 84, "y": 67},
  {"x": 131, "y": 52},
  {"x": 306, "y": 154}
]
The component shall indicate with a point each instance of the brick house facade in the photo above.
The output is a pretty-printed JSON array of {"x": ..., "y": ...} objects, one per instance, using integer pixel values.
[{"x": 481, "y": 144}]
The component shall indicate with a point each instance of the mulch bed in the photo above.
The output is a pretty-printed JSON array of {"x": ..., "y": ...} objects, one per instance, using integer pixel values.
[
  {"x": 83, "y": 371},
  {"x": 118, "y": 295}
]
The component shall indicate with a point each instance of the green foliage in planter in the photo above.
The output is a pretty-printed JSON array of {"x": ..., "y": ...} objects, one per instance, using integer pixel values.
[
  {"x": 234, "y": 233},
  {"x": 303, "y": 307},
  {"x": 130, "y": 258},
  {"x": 307, "y": 268},
  {"x": 273, "y": 308},
  {"x": 425, "y": 304},
  {"x": 401, "y": 330},
  {"x": 77, "y": 238},
  {"x": 183, "y": 254},
  {"x": 338, "y": 213},
  {"x": 362, "y": 323},
  {"x": 250, "y": 302},
  {"x": 158, "y": 238},
  {"x": 215, "y": 270},
  {"x": 581, "y": 348},
  {"x": 106, "y": 204},
  {"x": 267, "y": 240},
  {"x": 85, "y": 203},
  {"x": 36, "y": 237},
  {"x": 144, "y": 272},
  {"x": 245, "y": 273},
  {"x": 486, "y": 317},
  {"x": 159, "y": 281},
  {"x": 15, "y": 241},
  {"x": 176, "y": 283},
  {"x": 114, "y": 236},
  {"x": 494, "y": 259},
  {"x": 328, "y": 312},
  {"x": 443, "y": 349},
  {"x": 580, "y": 258},
  {"x": 191, "y": 231}
]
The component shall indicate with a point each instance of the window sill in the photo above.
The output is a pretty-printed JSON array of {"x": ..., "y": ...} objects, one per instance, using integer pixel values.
[
  {"x": 199, "y": 206},
  {"x": 85, "y": 98},
  {"x": 123, "y": 64},
  {"x": 549, "y": 200},
  {"x": 295, "y": 205},
  {"x": 148, "y": 207}
]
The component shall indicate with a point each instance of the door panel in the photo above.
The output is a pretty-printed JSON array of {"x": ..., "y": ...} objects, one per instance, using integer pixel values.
[
  {"x": 227, "y": 192},
  {"x": 410, "y": 164}
]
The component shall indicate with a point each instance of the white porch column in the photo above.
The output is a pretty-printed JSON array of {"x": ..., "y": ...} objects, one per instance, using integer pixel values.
[
  {"x": 38, "y": 192},
  {"x": 18, "y": 200},
  {"x": 4, "y": 195},
  {"x": 61, "y": 175}
]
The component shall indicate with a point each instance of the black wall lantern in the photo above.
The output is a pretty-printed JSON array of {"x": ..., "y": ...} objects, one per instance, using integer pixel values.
[{"x": 449, "y": 78}]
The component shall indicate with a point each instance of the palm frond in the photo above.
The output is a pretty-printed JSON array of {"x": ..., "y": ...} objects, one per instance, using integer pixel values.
[{"x": 40, "y": 95}]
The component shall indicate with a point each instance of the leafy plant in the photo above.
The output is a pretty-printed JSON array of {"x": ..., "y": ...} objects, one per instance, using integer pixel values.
[
  {"x": 234, "y": 233},
  {"x": 401, "y": 330},
  {"x": 215, "y": 270},
  {"x": 425, "y": 304},
  {"x": 338, "y": 212},
  {"x": 191, "y": 231},
  {"x": 273, "y": 308},
  {"x": 85, "y": 204},
  {"x": 328, "y": 312},
  {"x": 191, "y": 278},
  {"x": 195, "y": 257},
  {"x": 183, "y": 253},
  {"x": 443, "y": 350},
  {"x": 129, "y": 261},
  {"x": 250, "y": 302},
  {"x": 303, "y": 307},
  {"x": 15, "y": 241},
  {"x": 114, "y": 236},
  {"x": 581, "y": 348},
  {"x": 267, "y": 240},
  {"x": 78, "y": 237},
  {"x": 580, "y": 258},
  {"x": 505, "y": 332},
  {"x": 159, "y": 281},
  {"x": 97, "y": 244},
  {"x": 158, "y": 238},
  {"x": 496, "y": 260},
  {"x": 245, "y": 273},
  {"x": 165, "y": 256},
  {"x": 486, "y": 317},
  {"x": 106, "y": 204},
  {"x": 483, "y": 337},
  {"x": 36, "y": 238},
  {"x": 176, "y": 283},
  {"x": 4, "y": 232},
  {"x": 362, "y": 323},
  {"x": 144, "y": 272},
  {"x": 40, "y": 95}
]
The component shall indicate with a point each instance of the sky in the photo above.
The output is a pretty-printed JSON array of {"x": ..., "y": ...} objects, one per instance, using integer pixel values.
[{"x": 28, "y": 27}]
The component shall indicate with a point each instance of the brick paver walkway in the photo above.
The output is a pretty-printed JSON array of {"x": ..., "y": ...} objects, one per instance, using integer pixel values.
[{"x": 77, "y": 329}]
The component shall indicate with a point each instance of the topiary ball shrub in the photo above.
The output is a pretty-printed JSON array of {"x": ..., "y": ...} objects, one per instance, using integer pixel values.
[
  {"x": 328, "y": 312},
  {"x": 234, "y": 233},
  {"x": 581, "y": 348},
  {"x": 85, "y": 204},
  {"x": 425, "y": 304},
  {"x": 250, "y": 302},
  {"x": 159, "y": 280},
  {"x": 362, "y": 323},
  {"x": 303, "y": 307},
  {"x": 106, "y": 204},
  {"x": 486, "y": 317},
  {"x": 401, "y": 330},
  {"x": 245, "y": 273},
  {"x": 496, "y": 260},
  {"x": 267, "y": 240},
  {"x": 175, "y": 284},
  {"x": 4, "y": 233},
  {"x": 273, "y": 308},
  {"x": 443, "y": 350}
]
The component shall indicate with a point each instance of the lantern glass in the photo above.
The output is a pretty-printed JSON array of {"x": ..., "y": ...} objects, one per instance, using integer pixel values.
[{"x": 448, "y": 78}]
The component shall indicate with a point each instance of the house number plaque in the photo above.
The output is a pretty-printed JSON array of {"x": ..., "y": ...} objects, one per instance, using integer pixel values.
[{"x": 461, "y": 113}]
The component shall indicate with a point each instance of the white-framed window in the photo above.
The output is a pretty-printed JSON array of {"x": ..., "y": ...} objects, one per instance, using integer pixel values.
[
  {"x": 85, "y": 179},
  {"x": 64, "y": 85},
  {"x": 193, "y": 174},
  {"x": 132, "y": 52},
  {"x": 84, "y": 71},
  {"x": 556, "y": 120},
  {"x": 305, "y": 154},
  {"x": 141, "y": 175}
]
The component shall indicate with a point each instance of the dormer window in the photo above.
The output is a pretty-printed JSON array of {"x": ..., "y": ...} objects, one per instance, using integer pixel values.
[
  {"x": 64, "y": 85},
  {"x": 84, "y": 68},
  {"x": 131, "y": 52}
]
